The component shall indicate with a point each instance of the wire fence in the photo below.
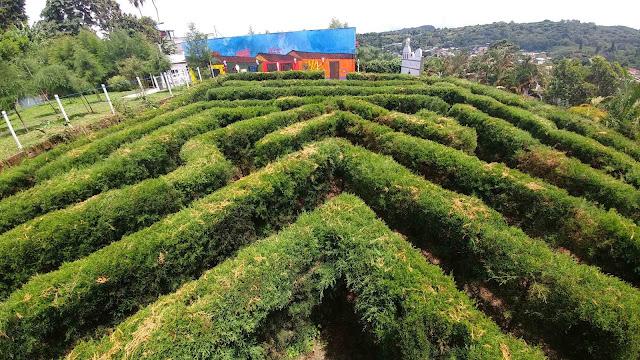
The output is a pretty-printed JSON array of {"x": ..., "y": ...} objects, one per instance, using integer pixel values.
[{"x": 54, "y": 110}]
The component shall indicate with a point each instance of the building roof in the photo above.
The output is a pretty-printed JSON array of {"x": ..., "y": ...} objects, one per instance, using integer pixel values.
[
  {"x": 274, "y": 57},
  {"x": 318, "y": 55},
  {"x": 177, "y": 58}
]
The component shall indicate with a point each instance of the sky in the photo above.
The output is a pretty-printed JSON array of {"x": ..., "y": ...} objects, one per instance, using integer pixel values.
[{"x": 234, "y": 18}]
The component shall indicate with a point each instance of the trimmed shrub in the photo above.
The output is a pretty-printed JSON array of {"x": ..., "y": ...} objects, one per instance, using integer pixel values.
[
  {"x": 378, "y": 76},
  {"x": 499, "y": 140},
  {"x": 44, "y": 243},
  {"x": 547, "y": 290},
  {"x": 51, "y": 310},
  {"x": 119, "y": 83},
  {"x": 409, "y": 104},
  {"x": 293, "y": 265},
  {"x": 150, "y": 156}
]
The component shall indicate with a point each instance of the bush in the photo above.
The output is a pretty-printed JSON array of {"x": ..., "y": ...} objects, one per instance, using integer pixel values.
[
  {"x": 119, "y": 83},
  {"x": 99, "y": 288}
]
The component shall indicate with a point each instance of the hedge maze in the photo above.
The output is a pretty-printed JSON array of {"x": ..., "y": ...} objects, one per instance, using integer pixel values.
[{"x": 281, "y": 215}]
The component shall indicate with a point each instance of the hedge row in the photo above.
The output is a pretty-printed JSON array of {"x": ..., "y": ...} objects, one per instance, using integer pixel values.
[
  {"x": 548, "y": 290},
  {"x": 266, "y": 93},
  {"x": 52, "y": 310},
  {"x": 429, "y": 126},
  {"x": 573, "y": 122},
  {"x": 299, "y": 262},
  {"x": 18, "y": 177},
  {"x": 503, "y": 96},
  {"x": 562, "y": 118},
  {"x": 379, "y": 77},
  {"x": 323, "y": 82},
  {"x": 408, "y": 104},
  {"x": 597, "y": 236},
  {"x": 583, "y": 148},
  {"x": 282, "y": 273},
  {"x": 499, "y": 140},
  {"x": 41, "y": 245},
  {"x": 150, "y": 156},
  {"x": 236, "y": 141}
]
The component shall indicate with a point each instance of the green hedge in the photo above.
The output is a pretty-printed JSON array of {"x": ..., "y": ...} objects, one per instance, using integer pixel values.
[
  {"x": 503, "y": 96},
  {"x": 596, "y": 236},
  {"x": 429, "y": 126},
  {"x": 266, "y": 93},
  {"x": 299, "y": 263},
  {"x": 379, "y": 77},
  {"x": 44, "y": 243},
  {"x": 549, "y": 291},
  {"x": 583, "y": 148},
  {"x": 501, "y": 141},
  {"x": 409, "y": 104},
  {"x": 150, "y": 156},
  {"x": 52, "y": 310},
  {"x": 323, "y": 82}
]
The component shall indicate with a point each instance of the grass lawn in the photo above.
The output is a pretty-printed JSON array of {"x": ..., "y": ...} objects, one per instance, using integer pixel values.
[{"x": 42, "y": 121}]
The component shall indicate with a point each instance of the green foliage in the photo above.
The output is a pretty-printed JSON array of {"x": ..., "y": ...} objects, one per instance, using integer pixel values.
[
  {"x": 163, "y": 256},
  {"x": 70, "y": 16},
  {"x": 197, "y": 49},
  {"x": 12, "y": 12},
  {"x": 624, "y": 110},
  {"x": 568, "y": 85},
  {"x": 119, "y": 83}
]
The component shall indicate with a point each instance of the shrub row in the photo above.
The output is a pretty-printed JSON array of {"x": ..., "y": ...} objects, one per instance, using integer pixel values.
[
  {"x": 150, "y": 156},
  {"x": 573, "y": 122},
  {"x": 44, "y": 243},
  {"x": 18, "y": 177},
  {"x": 562, "y": 118},
  {"x": 323, "y": 82},
  {"x": 379, "y": 77},
  {"x": 429, "y": 126},
  {"x": 597, "y": 236},
  {"x": 52, "y": 310},
  {"x": 500, "y": 140},
  {"x": 583, "y": 148},
  {"x": 408, "y": 104},
  {"x": 236, "y": 141},
  {"x": 550, "y": 291},
  {"x": 240, "y": 296},
  {"x": 265, "y": 93},
  {"x": 300, "y": 262},
  {"x": 503, "y": 96}
]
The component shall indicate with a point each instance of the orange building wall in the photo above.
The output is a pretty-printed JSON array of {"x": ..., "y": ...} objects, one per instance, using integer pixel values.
[{"x": 346, "y": 66}]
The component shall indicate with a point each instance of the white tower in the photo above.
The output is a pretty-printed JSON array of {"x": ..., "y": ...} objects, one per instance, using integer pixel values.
[{"x": 411, "y": 60}]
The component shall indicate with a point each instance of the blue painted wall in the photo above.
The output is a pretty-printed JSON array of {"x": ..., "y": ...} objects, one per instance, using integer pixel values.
[{"x": 327, "y": 40}]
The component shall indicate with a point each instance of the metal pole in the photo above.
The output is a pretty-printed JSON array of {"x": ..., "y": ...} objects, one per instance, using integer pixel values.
[
  {"x": 104, "y": 88},
  {"x": 13, "y": 133},
  {"x": 64, "y": 113},
  {"x": 168, "y": 85},
  {"x": 141, "y": 87},
  {"x": 199, "y": 74}
]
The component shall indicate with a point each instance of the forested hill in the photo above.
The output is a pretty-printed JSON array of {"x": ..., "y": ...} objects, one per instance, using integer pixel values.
[{"x": 563, "y": 38}]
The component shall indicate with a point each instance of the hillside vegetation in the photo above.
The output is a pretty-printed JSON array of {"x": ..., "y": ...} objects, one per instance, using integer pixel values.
[
  {"x": 559, "y": 39},
  {"x": 285, "y": 216}
]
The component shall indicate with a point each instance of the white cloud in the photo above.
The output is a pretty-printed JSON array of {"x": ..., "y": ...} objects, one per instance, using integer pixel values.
[{"x": 234, "y": 18}]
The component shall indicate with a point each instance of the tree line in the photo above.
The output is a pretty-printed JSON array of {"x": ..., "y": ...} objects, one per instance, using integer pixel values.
[{"x": 76, "y": 46}]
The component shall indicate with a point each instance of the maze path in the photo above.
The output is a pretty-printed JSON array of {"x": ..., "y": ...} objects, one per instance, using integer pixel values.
[{"x": 549, "y": 295}]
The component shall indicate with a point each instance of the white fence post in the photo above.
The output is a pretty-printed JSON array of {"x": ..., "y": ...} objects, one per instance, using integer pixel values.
[
  {"x": 141, "y": 87},
  {"x": 104, "y": 88},
  {"x": 64, "y": 113},
  {"x": 13, "y": 133},
  {"x": 153, "y": 81},
  {"x": 199, "y": 74},
  {"x": 187, "y": 78},
  {"x": 168, "y": 84}
]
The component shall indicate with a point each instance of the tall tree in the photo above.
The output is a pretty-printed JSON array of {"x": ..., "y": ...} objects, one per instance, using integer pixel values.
[
  {"x": 337, "y": 24},
  {"x": 568, "y": 85},
  {"x": 604, "y": 76},
  {"x": 69, "y": 16},
  {"x": 197, "y": 49},
  {"x": 12, "y": 13}
]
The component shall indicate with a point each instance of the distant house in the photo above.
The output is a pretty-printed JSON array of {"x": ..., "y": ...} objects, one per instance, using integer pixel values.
[
  {"x": 234, "y": 64},
  {"x": 179, "y": 73},
  {"x": 276, "y": 62},
  {"x": 335, "y": 65}
]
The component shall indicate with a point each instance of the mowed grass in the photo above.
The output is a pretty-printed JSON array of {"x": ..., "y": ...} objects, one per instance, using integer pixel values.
[{"x": 43, "y": 122}]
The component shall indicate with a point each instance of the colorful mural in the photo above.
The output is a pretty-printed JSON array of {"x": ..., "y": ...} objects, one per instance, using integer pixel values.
[{"x": 323, "y": 41}]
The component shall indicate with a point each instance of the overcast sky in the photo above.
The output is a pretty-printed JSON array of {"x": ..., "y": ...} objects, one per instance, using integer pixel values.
[{"x": 369, "y": 16}]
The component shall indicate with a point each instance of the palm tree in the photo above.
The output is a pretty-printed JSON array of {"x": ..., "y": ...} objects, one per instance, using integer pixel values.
[{"x": 139, "y": 3}]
